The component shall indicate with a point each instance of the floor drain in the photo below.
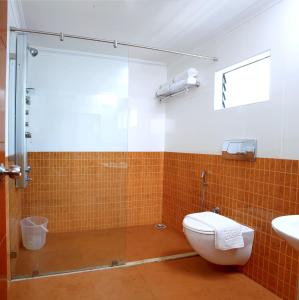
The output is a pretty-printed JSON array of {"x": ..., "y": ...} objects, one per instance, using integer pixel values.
[
  {"x": 116, "y": 263},
  {"x": 160, "y": 226}
]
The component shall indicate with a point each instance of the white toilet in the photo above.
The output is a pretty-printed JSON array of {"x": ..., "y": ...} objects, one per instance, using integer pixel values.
[{"x": 202, "y": 239}]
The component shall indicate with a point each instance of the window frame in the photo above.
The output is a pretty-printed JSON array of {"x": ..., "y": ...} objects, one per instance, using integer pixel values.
[{"x": 219, "y": 96}]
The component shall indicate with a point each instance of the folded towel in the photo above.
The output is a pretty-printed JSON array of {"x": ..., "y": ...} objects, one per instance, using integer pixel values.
[
  {"x": 191, "y": 72},
  {"x": 164, "y": 90},
  {"x": 179, "y": 83},
  {"x": 228, "y": 233}
]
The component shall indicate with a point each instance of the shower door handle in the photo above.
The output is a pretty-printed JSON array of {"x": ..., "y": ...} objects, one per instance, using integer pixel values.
[{"x": 13, "y": 171}]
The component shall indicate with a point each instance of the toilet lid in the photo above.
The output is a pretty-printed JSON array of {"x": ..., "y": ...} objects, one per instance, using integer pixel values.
[{"x": 192, "y": 222}]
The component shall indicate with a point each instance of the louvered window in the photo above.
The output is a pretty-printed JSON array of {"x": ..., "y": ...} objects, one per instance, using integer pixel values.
[{"x": 243, "y": 83}]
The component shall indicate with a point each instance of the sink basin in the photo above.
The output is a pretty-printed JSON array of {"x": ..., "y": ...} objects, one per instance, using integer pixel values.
[{"x": 287, "y": 227}]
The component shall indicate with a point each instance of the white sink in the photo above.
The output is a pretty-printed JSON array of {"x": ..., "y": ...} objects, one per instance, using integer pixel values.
[{"x": 288, "y": 228}]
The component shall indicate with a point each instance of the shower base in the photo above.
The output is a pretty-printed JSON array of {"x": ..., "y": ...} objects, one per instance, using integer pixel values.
[{"x": 67, "y": 252}]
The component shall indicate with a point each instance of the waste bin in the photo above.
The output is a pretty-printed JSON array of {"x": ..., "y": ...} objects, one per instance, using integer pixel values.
[{"x": 34, "y": 232}]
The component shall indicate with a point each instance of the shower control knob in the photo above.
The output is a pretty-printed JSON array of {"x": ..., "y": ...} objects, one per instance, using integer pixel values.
[
  {"x": 28, "y": 102},
  {"x": 27, "y": 124},
  {"x": 28, "y": 135},
  {"x": 27, "y": 112},
  {"x": 28, "y": 178}
]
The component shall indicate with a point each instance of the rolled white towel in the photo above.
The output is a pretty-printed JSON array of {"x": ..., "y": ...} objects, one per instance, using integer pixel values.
[
  {"x": 163, "y": 90},
  {"x": 179, "y": 83},
  {"x": 178, "y": 86},
  {"x": 191, "y": 72}
]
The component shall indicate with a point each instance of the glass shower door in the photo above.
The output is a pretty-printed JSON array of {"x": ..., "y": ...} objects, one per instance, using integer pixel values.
[{"x": 76, "y": 114}]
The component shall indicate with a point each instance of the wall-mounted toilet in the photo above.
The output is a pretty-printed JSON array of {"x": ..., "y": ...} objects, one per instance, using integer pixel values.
[{"x": 201, "y": 236}]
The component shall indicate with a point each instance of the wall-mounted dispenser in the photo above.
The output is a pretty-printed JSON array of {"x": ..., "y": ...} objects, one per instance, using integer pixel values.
[{"x": 239, "y": 149}]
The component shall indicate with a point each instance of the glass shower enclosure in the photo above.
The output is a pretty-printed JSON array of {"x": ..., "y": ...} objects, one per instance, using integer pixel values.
[
  {"x": 84, "y": 201},
  {"x": 68, "y": 132}
]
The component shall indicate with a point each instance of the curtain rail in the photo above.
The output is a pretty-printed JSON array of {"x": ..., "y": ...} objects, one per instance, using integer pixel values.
[{"x": 115, "y": 43}]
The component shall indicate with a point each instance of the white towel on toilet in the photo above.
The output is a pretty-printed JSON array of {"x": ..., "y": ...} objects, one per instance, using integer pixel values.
[{"x": 228, "y": 233}]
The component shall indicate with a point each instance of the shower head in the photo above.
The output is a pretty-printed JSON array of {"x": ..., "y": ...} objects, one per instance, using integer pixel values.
[{"x": 33, "y": 51}]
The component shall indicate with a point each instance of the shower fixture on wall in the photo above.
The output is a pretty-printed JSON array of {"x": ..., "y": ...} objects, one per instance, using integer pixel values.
[
  {"x": 22, "y": 109},
  {"x": 33, "y": 51}
]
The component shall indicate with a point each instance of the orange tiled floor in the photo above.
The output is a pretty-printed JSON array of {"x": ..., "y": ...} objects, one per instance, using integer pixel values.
[
  {"x": 71, "y": 251},
  {"x": 188, "y": 279}
]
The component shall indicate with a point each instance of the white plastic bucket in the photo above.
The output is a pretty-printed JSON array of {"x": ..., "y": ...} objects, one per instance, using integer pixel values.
[{"x": 34, "y": 232}]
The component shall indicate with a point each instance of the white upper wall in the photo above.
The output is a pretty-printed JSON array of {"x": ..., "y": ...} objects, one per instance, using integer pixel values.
[
  {"x": 192, "y": 125},
  {"x": 87, "y": 102},
  {"x": 146, "y": 127},
  {"x": 171, "y": 24}
]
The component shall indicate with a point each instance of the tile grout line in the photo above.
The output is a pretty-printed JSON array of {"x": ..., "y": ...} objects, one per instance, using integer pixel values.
[{"x": 103, "y": 268}]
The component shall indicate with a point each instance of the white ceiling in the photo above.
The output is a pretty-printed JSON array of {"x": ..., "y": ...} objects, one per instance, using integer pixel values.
[{"x": 174, "y": 24}]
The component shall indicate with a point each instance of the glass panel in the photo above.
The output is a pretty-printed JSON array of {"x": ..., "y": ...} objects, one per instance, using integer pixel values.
[
  {"x": 77, "y": 115},
  {"x": 98, "y": 213}
]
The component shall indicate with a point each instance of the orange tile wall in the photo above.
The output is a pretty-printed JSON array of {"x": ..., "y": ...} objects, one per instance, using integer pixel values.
[
  {"x": 88, "y": 191},
  {"x": 80, "y": 191},
  {"x": 250, "y": 193}
]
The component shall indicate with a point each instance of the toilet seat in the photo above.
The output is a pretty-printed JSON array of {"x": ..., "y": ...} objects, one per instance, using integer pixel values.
[{"x": 193, "y": 223}]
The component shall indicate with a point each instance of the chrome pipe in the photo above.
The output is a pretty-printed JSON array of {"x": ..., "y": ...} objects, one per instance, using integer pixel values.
[
  {"x": 62, "y": 35},
  {"x": 203, "y": 185}
]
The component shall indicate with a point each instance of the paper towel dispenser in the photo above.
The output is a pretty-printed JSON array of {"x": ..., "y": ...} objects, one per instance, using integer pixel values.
[{"x": 239, "y": 149}]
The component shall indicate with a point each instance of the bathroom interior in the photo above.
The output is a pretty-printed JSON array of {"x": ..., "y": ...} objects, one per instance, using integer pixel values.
[{"x": 149, "y": 149}]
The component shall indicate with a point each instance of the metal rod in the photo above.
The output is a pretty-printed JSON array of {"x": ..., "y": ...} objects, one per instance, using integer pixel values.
[{"x": 113, "y": 42}]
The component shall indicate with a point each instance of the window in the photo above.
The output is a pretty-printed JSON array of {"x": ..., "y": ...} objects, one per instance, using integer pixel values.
[{"x": 243, "y": 83}]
